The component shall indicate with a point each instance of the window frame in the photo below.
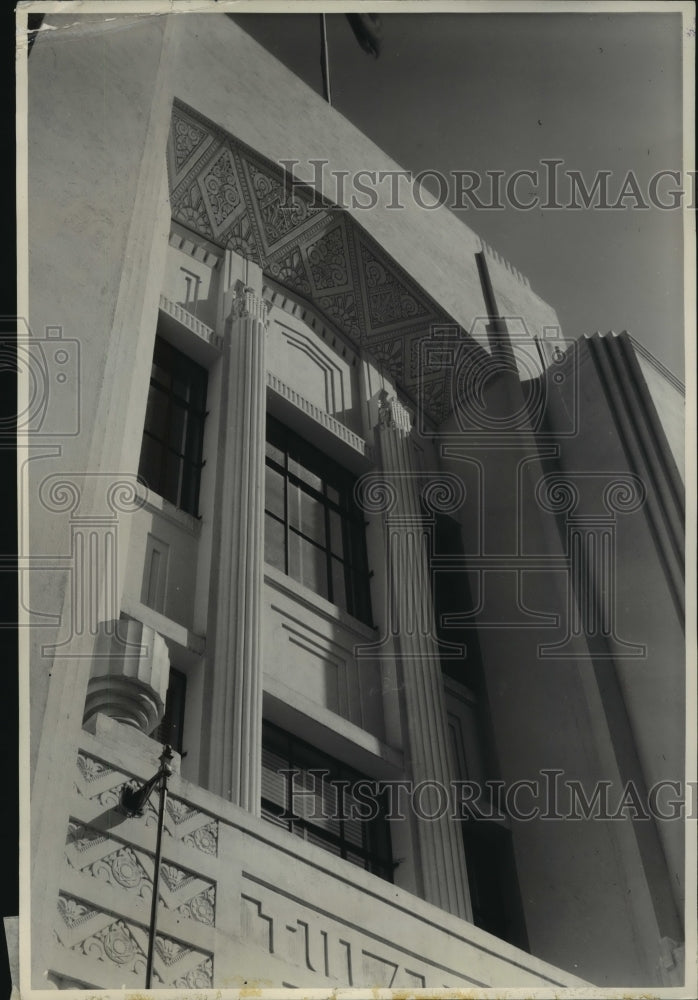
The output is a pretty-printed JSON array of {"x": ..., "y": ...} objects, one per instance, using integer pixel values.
[
  {"x": 354, "y": 557},
  {"x": 304, "y": 759},
  {"x": 157, "y": 457}
]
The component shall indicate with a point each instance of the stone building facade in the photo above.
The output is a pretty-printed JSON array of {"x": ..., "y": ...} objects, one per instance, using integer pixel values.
[{"x": 327, "y": 490}]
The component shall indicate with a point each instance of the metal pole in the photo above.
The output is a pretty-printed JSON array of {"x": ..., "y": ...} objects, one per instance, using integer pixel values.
[
  {"x": 165, "y": 771},
  {"x": 325, "y": 59}
]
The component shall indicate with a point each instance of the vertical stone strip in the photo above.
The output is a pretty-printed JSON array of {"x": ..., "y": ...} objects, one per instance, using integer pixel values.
[
  {"x": 416, "y": 648},
  {"x": 235, "y": 681}
]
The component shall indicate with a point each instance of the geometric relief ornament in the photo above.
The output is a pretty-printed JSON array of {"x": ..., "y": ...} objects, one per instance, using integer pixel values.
[
  {"x": 105, "y": 939},
  {"x": 328, "y": 260},
  {"x": 127, "y": 868},
  {"x": 220, "y": 190},
  {"x": 290, "y": 271},
  {"x": 102, "y": 784},
  {"x": 187, "y": 140},
  {"x": 279, "y": 213},
  {"x": 437, "y": 397},
  {"x": 321, "y": 946},
  {"x": 123, "y": 870},
  {"x": 390, "y": 355},
  {"x": 191, "y": 827},
  {"x": 342, "y": 311},
  {"x": 192, "y": 212},
  {"x": 389, "y": 300},
  {"x": 232, "y": 197},
  {"x": 114, "y": 944}
]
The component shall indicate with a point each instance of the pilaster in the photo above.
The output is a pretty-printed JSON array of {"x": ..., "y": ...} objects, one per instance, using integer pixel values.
[
  {"x": 397, "y": 490},
  {"x": 234, "y": 686}
]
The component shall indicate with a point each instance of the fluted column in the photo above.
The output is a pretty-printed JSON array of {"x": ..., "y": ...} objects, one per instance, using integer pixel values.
[
  {"x": 411, "y": 638},
  {"x": 235, "y": 663}
]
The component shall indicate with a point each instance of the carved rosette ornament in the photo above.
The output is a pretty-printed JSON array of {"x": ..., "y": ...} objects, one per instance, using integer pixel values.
[{"x": 129, "y": 675}]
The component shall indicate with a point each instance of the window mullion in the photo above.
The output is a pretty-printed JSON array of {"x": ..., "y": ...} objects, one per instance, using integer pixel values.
[
  {"x": 286, "y": 519},
  {"x": 328, "y": 544}
]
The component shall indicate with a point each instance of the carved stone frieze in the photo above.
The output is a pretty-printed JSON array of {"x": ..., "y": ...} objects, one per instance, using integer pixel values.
[
  {"x": 96, "y": 781},
  {"x": 120, "y": 945},
  {"x": 324, "y": 948},
  {"x": 231, "y": 197},
  {"x": 126, "y": 867}
]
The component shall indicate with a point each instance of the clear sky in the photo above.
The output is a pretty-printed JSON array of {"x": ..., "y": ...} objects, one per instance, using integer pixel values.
[{"x": 503, "y": 92}]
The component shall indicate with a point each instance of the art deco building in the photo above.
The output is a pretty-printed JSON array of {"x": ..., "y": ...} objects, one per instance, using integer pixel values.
[{"x": 319, "y": 489}]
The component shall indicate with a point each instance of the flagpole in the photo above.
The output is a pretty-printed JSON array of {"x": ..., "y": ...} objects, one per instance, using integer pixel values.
[
  {"x": 133, "y": 802},
  {"x": 325, "y": 60}
]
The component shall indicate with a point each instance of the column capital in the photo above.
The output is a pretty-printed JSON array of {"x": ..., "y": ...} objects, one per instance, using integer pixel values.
[
  {"x": 392, "y": 414},
  {"x": 248, "y": 304}
]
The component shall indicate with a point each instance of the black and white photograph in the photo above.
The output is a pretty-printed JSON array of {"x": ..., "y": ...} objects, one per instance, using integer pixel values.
[{"x": 356, "y": 363}]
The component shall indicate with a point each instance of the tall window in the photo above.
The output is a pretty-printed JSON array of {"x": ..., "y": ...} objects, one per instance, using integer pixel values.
[
  {"x": 313, "y": 530},
  {"x": 340, "y": 810},
  {"x": 171, "y": 453}
]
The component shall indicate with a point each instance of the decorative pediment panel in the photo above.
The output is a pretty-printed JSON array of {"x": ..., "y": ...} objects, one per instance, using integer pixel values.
[{"x": 230, "y": 196}]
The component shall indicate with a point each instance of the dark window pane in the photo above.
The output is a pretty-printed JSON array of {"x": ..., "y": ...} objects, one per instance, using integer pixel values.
[
  {"x": 319, "y": 811},
  {"x": 274, "y": 492},
  {"x": 156, "y": 413},
  {"x": 274, "y": 544},
  {"x": 307, "y": 797},
  {"x": 359, "y": 860},
  {"x": 189, "y": 499},
  {"x": 171, "y": 454},
  {"x": 169, "y": 482},
  {"x": 332, "y": 847},
  {"x": 353, "y": 831},
  {"x": 273, "y": 783},
  {"x": 273, "y": 817},
  {"x": 161, "y": 374},
  {"x": 178, "y": 428},
  {"x": 149, "y": 468},
  {"x": 275, "y": 454},
  {"x": 181, "y": 386},
  {"x": 304, "y": 474},
  {"x": 306, "y": 514},
  {"x": 336, "y": 534},
  {"x": 307, "y": 563},
  {"x": 194, "y": 439},
  {"x": 339, "y": 591},
  {"x": 324, "y": 528},
  {"x": 358, "y": 595}
]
